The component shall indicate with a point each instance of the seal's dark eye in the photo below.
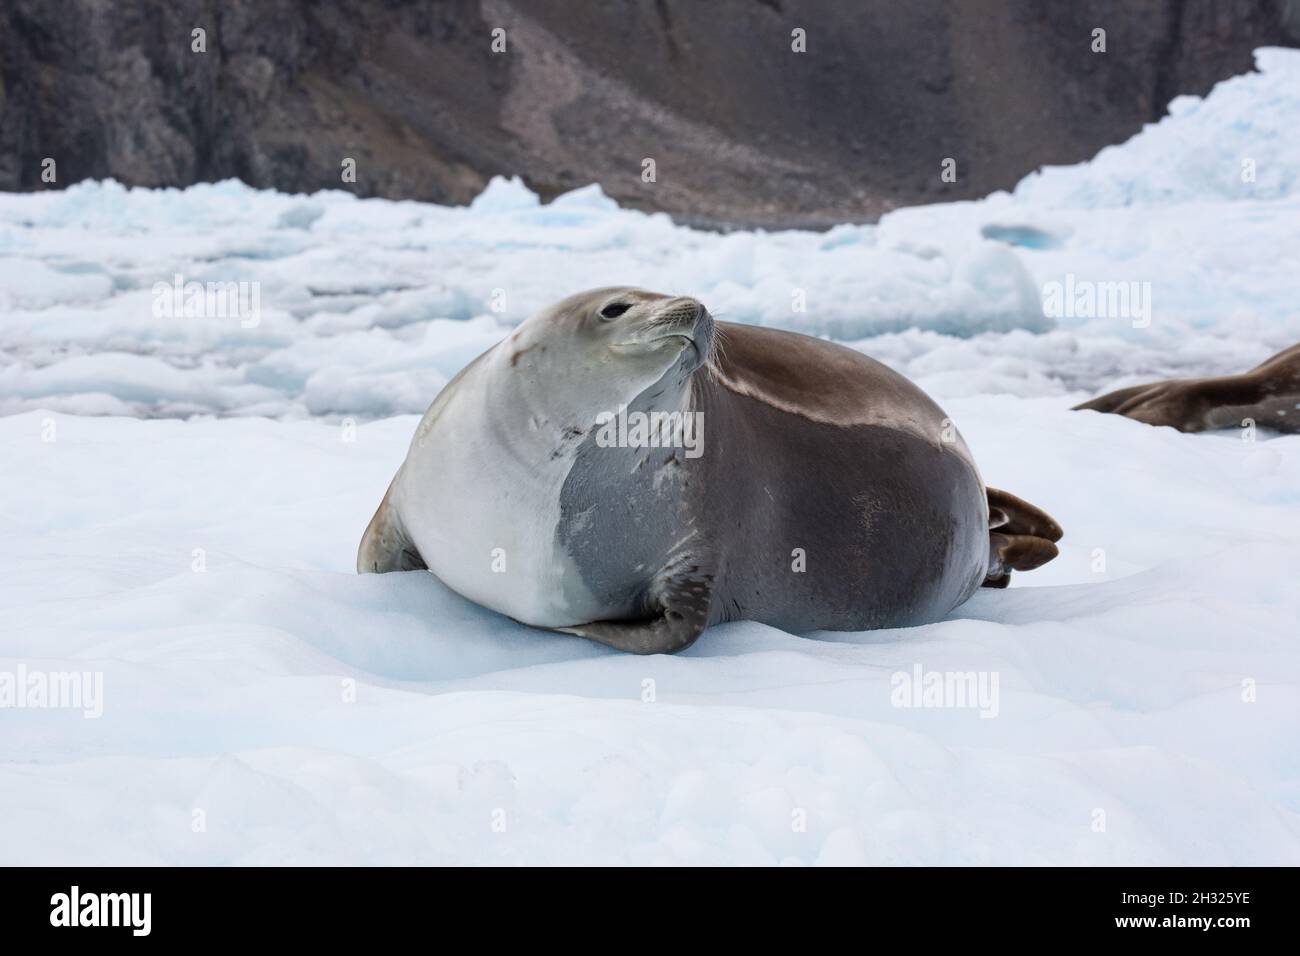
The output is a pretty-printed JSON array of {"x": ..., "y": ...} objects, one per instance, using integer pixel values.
[{"x": 614, "y": 310}]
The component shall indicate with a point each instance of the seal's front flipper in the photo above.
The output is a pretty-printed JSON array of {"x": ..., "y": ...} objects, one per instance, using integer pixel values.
[
  {"x": 1021, "y": 537},
  {"x": 1111, "y": 401},
  {"x": 683, "y": 613},
  {"x": 385, "y": 546},
  {"x": 1267, "y": 395}
]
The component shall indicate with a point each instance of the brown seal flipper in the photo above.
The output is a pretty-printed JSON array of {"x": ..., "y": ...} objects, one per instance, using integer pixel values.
[
  {"x": 679, "y": 613},
  {"x": 1267, "y": 396},
  {"x": 385, "y": 546},
  {"x": 1111, "y": 401},
  {"x": 1021, "y": 537}
]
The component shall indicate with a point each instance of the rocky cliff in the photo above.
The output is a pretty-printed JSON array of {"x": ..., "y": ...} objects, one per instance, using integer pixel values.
[{"x": 743, "y": 130}]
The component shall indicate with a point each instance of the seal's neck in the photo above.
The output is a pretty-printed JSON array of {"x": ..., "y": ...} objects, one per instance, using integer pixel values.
[{"x": 540, "y": 411}]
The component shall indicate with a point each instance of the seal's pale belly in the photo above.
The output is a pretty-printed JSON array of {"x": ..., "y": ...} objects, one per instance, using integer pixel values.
[{"x": 485, "y": 523}]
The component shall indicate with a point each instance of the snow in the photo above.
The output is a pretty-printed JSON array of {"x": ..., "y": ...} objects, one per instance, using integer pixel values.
[{"x": 184, "y": 497}]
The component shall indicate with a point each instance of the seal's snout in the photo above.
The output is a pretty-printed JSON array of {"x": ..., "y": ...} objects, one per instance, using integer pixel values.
[
  {"x": 661, "y": 323},
  {"x": 704, "y": 331},
  {"x": 686, "y": 318},
  {"x": 683, "y": 313}
]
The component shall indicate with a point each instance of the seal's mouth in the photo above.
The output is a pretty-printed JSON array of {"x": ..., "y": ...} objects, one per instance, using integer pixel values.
[{"x": 674, "y": 336}]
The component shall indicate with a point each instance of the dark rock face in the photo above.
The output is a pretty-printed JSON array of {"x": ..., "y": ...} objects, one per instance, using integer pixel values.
[{"x": 743, "y": 130}]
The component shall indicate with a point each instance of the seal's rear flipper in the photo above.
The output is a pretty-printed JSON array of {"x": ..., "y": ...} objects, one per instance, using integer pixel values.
[
  {"x": 385, "y": 546},
  {"x": 1021, "y": 537},
  {"x": 684, "y": 600}
]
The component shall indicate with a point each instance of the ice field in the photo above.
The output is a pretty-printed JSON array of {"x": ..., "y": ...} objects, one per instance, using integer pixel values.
[{"x": 184, "y": 494}]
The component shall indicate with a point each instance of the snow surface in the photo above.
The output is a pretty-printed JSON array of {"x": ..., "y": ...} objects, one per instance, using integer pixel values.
[{"x": 1148, "y": 680}]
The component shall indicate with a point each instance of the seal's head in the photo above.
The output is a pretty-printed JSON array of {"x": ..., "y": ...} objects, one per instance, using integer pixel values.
[
  {"x": 605, "y": 347},
  {"x": 659, "y": 331}
]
